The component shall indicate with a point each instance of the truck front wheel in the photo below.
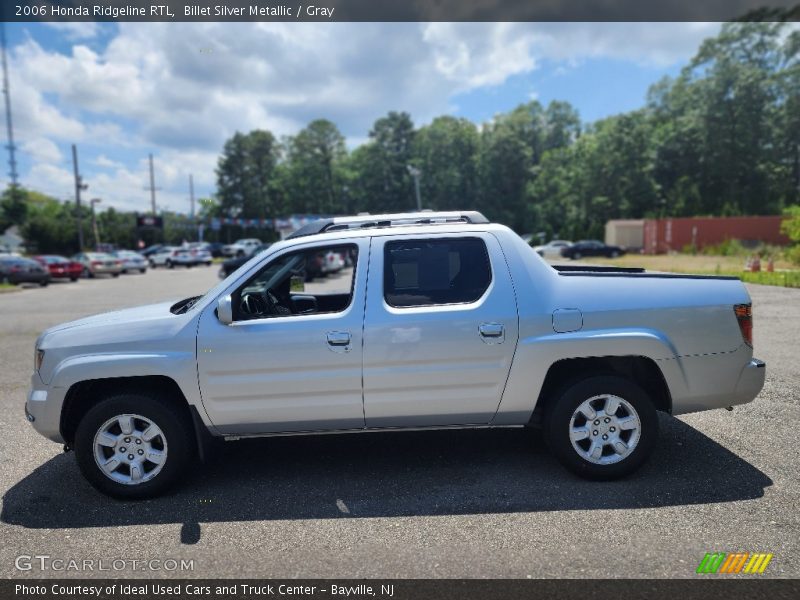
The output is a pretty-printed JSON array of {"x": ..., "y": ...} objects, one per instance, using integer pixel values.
[
  {"x": 602, "y": 427},
  {"x": 133, "y": 446}
]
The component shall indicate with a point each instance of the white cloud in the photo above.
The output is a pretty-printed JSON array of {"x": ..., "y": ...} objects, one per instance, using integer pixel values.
[
  {"x": 42, "y": 150},
  {"x": 180, "y": 90}
]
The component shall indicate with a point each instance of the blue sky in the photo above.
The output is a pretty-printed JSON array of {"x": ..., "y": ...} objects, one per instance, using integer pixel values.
[{"x": 179, "y": 90}]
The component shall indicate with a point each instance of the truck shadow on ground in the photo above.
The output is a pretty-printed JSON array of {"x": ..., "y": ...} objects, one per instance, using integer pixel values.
[{"x": 387, "y": 475}]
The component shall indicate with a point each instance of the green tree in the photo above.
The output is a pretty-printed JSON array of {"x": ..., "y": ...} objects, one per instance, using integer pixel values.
[
  {"x": 313, "y": 177},
  {"x": 13, "y": 207},
  {"x": 245, "y": 175},
  {"x": 380, "y": 168},
  {"x": 791, "y": 227},
  {"x": 446, "y": 151}
]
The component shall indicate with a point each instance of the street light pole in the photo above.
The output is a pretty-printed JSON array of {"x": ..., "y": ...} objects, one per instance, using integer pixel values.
[
  {"x": 94, "y": 201},
  {"x": 416, "y": 173},
  {"x": 79, "y": 185}
]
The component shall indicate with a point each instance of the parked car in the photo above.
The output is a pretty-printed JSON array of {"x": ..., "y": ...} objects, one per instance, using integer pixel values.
[
  {"x": 170, "y": 257},
  {"x": 244, "y": 247},
  {"x": 16, "y": 270},
  {"x": 150, "y": 250},
  {"x": 60, "y": 267},
  {"x": 200, "y": 255},
  {"x": 131, "y": 261},
  {"x": 174, "y": 256},
  {"x": 333, "y": 262},
  {"x": 451, "y": 323},
  {"x": 98, "y": 263},
  {"x": 591, "y": 248},
  {"x": 215, "y": 248},
  {"x": 230, "y": 265},
  {"x": 551, "y": 249}
]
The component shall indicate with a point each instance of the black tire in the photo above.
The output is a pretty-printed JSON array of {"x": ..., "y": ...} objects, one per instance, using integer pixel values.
[
  {"x": 142, "y": 271},
  {"x": 240, "y": 254},
  {"x": 577, "y": 256},
  {"x": 44, "y": 282},
  {"x": 73, "y": 279},
  {"x": 115, "y": 274},
  {"x": 87, "y": 273},
  {"x": 174, "y": 424},
  {"x": 558, "y": 419},
  {"x": 614, "y": 253},
  {"x": 169, "y": 264}
]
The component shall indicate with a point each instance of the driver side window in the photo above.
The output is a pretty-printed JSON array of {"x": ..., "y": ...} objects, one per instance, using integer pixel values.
[{"x": 315, "y": 280}]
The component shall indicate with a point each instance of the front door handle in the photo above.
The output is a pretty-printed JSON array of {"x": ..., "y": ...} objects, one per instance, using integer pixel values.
[
  {"x": 492, "y": 333},
  {"x": 338, "y": 338}
]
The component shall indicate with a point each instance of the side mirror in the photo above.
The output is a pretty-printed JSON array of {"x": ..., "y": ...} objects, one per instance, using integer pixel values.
[{"x": 225, "y": 310}]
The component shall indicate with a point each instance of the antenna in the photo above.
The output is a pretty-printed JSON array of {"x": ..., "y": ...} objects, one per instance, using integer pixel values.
[{"x": 12, "y": 159}]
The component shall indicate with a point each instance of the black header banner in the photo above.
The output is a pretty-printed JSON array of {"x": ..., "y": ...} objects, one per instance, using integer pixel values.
[{"x": 399, "y": 10}]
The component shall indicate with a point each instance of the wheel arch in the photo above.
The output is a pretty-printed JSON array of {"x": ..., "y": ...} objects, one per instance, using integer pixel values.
[
  {"x": 83, "y": 395},
  {"x": 642, "y": 370}
]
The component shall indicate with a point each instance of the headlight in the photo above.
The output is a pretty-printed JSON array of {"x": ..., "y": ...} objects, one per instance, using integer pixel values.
[{"x": 38, "y": 359}]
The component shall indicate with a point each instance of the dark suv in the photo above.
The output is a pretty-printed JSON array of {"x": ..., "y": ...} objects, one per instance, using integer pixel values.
[{"x": 591, "y": 248}]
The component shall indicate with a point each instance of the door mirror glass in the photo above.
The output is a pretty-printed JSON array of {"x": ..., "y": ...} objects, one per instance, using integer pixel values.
[{"x": 225, "y": 310}]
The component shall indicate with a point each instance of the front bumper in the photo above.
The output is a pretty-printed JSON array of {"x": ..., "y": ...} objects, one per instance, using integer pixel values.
[{"x": 43, "y": 411}]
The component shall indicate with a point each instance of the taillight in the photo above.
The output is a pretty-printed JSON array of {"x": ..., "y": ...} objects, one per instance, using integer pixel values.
[
  {"x": 96, "y": 263},
  {"x": 744, "y": 314}
]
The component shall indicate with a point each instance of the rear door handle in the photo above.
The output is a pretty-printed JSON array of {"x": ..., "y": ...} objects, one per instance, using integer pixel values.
[
  {"x": 492, "y": 332},
  {"x": 338, "y": 338}
]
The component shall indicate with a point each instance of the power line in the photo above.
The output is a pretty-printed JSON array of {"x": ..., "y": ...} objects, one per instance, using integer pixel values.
[{"x": 12, "y": 159}]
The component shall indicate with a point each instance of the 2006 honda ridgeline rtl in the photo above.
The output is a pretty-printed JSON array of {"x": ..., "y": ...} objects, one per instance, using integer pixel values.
[{"x": 437, "y": 320}]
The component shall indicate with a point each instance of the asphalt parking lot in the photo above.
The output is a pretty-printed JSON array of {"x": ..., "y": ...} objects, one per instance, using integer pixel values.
[{"x": 438, "y": 504}]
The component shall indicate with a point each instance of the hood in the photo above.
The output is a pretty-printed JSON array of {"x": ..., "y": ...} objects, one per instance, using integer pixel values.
[
  {"x": 151, "y": 330},
  {"x": 116, "y": 326},
  {"x": 118, "y": 317}
]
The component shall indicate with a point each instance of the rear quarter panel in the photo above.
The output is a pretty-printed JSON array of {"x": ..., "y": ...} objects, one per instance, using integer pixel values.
[{"x": 687, "y": 326}]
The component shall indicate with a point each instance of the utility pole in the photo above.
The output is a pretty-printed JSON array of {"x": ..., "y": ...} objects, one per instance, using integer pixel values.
[
  {"x": 12, "y": 159},
  {"x": 95, "y": 230},
  {"x": 79, "y": 185},
  {"x": 191, "y": 197},
  {"x": 152, "y": 187},
  {"x": 415, "y": 173}
]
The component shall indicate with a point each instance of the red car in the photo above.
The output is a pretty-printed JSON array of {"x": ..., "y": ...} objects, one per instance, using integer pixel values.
[{"x": 60, "y": 267}]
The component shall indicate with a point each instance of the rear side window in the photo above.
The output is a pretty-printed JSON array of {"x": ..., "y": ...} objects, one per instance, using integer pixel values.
[{"x": 431, "y": 272}]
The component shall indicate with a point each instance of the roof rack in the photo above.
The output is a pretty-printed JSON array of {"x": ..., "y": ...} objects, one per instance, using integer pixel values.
[{"x": 391, "y": 220}]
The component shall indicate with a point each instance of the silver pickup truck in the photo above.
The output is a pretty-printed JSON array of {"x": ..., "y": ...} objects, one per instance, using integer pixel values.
[{"x": 437, "y": 320}]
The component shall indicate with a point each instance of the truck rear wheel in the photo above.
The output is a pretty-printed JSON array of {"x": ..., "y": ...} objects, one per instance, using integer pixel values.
[
  {"x": 133, "y": 446},
  {"x": 602, "y": 427}
]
